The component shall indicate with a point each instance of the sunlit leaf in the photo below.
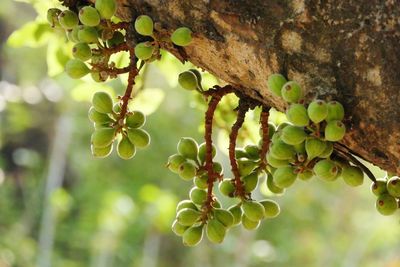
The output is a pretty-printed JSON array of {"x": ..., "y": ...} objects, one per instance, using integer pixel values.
[
  {"x": 32, "y": 34},
  {"x": 148, "y": 100}
]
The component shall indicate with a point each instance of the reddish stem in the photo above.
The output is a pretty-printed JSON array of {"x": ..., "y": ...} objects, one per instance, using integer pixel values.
[{"x": 265, "y": 136}]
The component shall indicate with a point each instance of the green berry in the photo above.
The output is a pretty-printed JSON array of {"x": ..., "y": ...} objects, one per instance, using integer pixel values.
[
  {"x": 125, "y": 149},
  {"x": 386, "y": 204},
  {"x": 102, "y": 102},
  {"x": 106, "y": 8},
  {"x": 101, "y": 152},
  {"x": 198, "y": 76},
  {"x": 246, "y": 166},
  {"x": 327, "y": 151},
  {"x": 188, "y": 80},
  {"x": 98, "y": 117},
  {"x": 215, "y": 231},
  {"x": 135, "y": 120},
  {"x": 188, "y": 148},
  {"x": 326, "y": 170},
  {"x": 272, "y": 186},
  {"x": 52, "y": 16},
  {"x": 82, "y": 51},
  {"x": 275, "y": 83},
  {"x": 103, "y": 137},
  {"x": 224, "y": 216},
  {"x": 117, "y": 107},
  {"x": 297, "y": 114},
  {"x": 249, "y": 224},
  {"x": 116, "y": 39},
  {"x": 271, "y": 208},
  {"x": 174, "y": 162},
  {"x": 178, "y": 228},
  {"x": 276, "y": 163},
  {"x": 197, "y": 195},
  {"x": 300, "y": 148},
  {"x": 252, "y": 151},
  {"x": 76, "y": 69},
  {"x": 241, "y": 153},
  {"x": 292, "y": 92},
  {"x": 317, "y": 111},
  {"x": 227, "y": 187},
  {"x": 88, "y": 34},
  {"x": 305, "y": 175},
  {"x": 201, "y": 181},
  {"x": 335, "y": 131},
  {"x": 379, "y": 187},
  {"x": 73, "y": 35},
  {"x": 68, "y": 19},
  {"x": 284, "y": 176},
  {"x": 281, "y": 150},
  {"x": 89, "y": 16},
  {"x": 144, "y": 25},
  {"x": 182, "y": 36},
  {"x": 393, "y": 186},
  {"x": 192, "y": 236},
  {"x": 293, "y": 135},
  {"x": 144, "y": 50},
  {"x": 202, "y": 152},
  {"x": 352, "y": 175},
  {"x": 187, "y": 217},
  {"x": 185, "y": 204},
  {"x": 314, "y": 148},
  {"x": 250, "y": 182},
  {"x": 253, "y": 210},
  {"x": 236, "y": 211},
  {"x": 187, "y": 171},
  {"x": 335, "y": 111},
  {"x": 139, "y": 137}
]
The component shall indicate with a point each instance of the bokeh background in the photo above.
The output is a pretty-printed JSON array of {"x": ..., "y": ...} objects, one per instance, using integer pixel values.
[{"x": 61, "y": 207}]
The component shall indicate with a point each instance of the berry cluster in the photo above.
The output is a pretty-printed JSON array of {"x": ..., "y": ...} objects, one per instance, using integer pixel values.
[{"x": 387, "y": 191}]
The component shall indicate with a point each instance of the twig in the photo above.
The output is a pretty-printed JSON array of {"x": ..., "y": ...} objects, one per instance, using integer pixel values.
[{"x": 265, "y": 136}]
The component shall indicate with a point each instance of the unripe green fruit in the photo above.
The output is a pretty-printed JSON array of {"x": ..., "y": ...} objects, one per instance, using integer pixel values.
[
  {"x": 68, "y": 19},
  {"x": 224, "y": 216},
  {"x": 144, "y": 25},
  {"x": 275, "y": 83},
  {"x": 139, "y": 137},
  {"x": 379, "y": 187},
  {"x": 89, "y": 16},
  {"x": 187, "y": 217},
  {"x": 226, "y": 187},
  {"x": 174, "y": 161},
  {"x": 282, "y": 126},
  {"x": 135, "y": 120},
  {"x": 327, "y": 151},
  {"x": 293, "y": 135},
  {"x": 202, "y": 152},
  {"x": 314, "y": 148},
  {"x": 144, "y": 50},
  {"x": 101, "y": 152},
  {"x": 125, "y": 149},
  {"x": 241, "y": 153},
  {"x": 82, "y": 51},
  {"x": 88, "y": 35},
  {"x": 335, "y": 111},
  {"x": 284, "y": 176},
  {"x": 215, "y": 231},
  {"x": 192, "y": 236},
  {"x": 236, "y": 212},
  {"x": 201, "y": 181},
  {"x": 276, "y": 163},
  {"x": 187, "y": 171},
  {"x": 102, "y": 102},
  {"x": 106, "y": 8},
  {"x": 249, "y": 224},
  {"x": 97, "y": 117},
  {"x": 305, "y": 175},
  {"x": 117, "y": 38},
  {"x": 246, "y": 166},
  {"x": 103, "y": 137},
  {"x": 216, "y": 204},
  {"x": 317, "y": 111},
  {"x": 198, "y": 76},
  {"x": 188, "y": 80},
  {"x": 272, "y": 186},
  {"x": 271, "y": 208},
  {"x": 393, "y": 186},
  {"x": 73, "y": 35},
  {"x": 253, "y": 210},
  {"x": 197, "y": 195},
  {"x": 297, "y": 114},
  {"x": 352, "y": 175},
  {"x": 185, "y": 204},
  {"x": 117, "y": 107},
  {"x": 250, "y": 182},
  {"x": 271, "y": 130},
  {"x": 52, "y": 16},
  {"x": 182, "y": 36},
  {"x": 252, "y": 151},
  {"x": 76, "y": 69},
  {"x": 386, "y": 204},
  {"x": 178, "y": 228},
  {"x": 188, "y": 148},
  {"x": 326, "y": 170},
  {"x": 281, "y": 150},
  {"x": 291, "y": 92},
  {"x": 98, "y": 77},
  {"x": 334, "y": 131}
]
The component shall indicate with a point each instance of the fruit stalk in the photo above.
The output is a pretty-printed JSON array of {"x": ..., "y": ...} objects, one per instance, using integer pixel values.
[{"x": 265, "y": 136}]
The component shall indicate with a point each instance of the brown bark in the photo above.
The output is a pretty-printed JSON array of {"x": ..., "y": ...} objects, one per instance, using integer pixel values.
[{"x": 347, "y": 50}]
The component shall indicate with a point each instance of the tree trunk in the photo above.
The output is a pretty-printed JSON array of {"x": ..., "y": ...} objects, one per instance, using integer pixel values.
[{"x": 345, "y": 50}]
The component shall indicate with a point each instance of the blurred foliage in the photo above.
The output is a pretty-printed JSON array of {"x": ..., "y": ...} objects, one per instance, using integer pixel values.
[{"x": 111, "y": 212}]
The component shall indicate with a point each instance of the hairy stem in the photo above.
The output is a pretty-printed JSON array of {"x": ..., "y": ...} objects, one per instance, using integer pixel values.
[{"x": 265, "y": 136}]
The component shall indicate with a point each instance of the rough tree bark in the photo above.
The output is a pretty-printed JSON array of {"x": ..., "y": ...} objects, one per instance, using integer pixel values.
[{"x": 347, "y": 50}]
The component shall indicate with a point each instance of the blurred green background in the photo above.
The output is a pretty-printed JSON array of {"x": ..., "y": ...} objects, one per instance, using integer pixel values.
[{"x": 61, "y": 207}]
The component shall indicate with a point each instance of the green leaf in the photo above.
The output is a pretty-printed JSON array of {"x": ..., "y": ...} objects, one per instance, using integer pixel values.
[
  {"x": 32, "y": 34},
  {"x": 58, "y": 53}
]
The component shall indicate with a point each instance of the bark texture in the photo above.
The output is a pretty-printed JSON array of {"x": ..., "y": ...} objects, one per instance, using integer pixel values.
[{"x": 345, "y": 50}]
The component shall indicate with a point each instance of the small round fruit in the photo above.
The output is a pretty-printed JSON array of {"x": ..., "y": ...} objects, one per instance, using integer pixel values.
[
  {"x": 174, "y": 161},
  {"x": 252, "y": 151},
  {"x": 106, "y": 8},
  {"x": 101, "y": 152},
  {"x": 281, "y": 150},
  {"x": 182, "y": 36},
  {"x": 275, "y": 83},
  {"x": 317, "y": 111},
  {"x": 246, "y": 166},
  {"x": 284, "y": 176},
  {"x": 144, "y": 50},
  {"x": 188, "y": 80},
  {"x": 136, "y": 119},
  {"x": 139, "y": 137},
  {"x": 305, "y": 175},
  {"x": 88, "y": 35},
  {"x": 215, "y": 231},
  {"x": 103, "y": 137},
  {"x": 125, "y": 149},
  {"x": 97, "y": 117},
  {"x": 335, "y": 131},
  {"x": 197, "y": 195},
  {"x": 185, "y": 204},
  {"x": 72, "y": 35},
  {"x": 201, "y": 181},
  {"x": 188, "y": 148},
  {"x": 249, "y": 224},
  {"x": 144, "y": 25},
  {"x": 314, "y": 147},
  {"x": 89, "y": 16},
  {"x": 272, "y": 186},
  {"x": 327, "y": 151},
  {"x": 335, "y": 111},
  {"x": 226, "y": 187},
  {"x": 187, "y": 216},
  {"x": 224, "y": 216},
  {"x": 291, "y": 92},
  {"x": 253, "y": 210},
  {"x": 178, "y": 228},
  {"x": 297, "y": 114},
  {"x": 293, "y": 135},
  {"x": 202, "y": 152},
  {"x": 81, "y": 51},
  {"x": 326, "y": 170},
  {"x": 250, "y": 182},
  {"x": 276, "y": 163},
  {"x": 393, "y": 186},
  {"x": 198, "y": 75},
  {"x": 76, "y": 69},
  {"x": 236, "y": 211},
  {"x": 386, "y": 204},
  {"x": 68, "y": 19},
  {"x": 271, "y": 208},
  {"x": 187, "y": 171},
  {"x": 192, "y": 236},
  {"x": 352, "y": 175},
  {"x": 52, "y": 16},
  {"x": 379, "y": 187},
  {"x": 102, "y": 102}
]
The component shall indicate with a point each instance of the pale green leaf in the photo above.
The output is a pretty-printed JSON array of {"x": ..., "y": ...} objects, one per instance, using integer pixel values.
[
  {"x": 148, "y": 100},
  {"x": 32, "y": 34}
]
